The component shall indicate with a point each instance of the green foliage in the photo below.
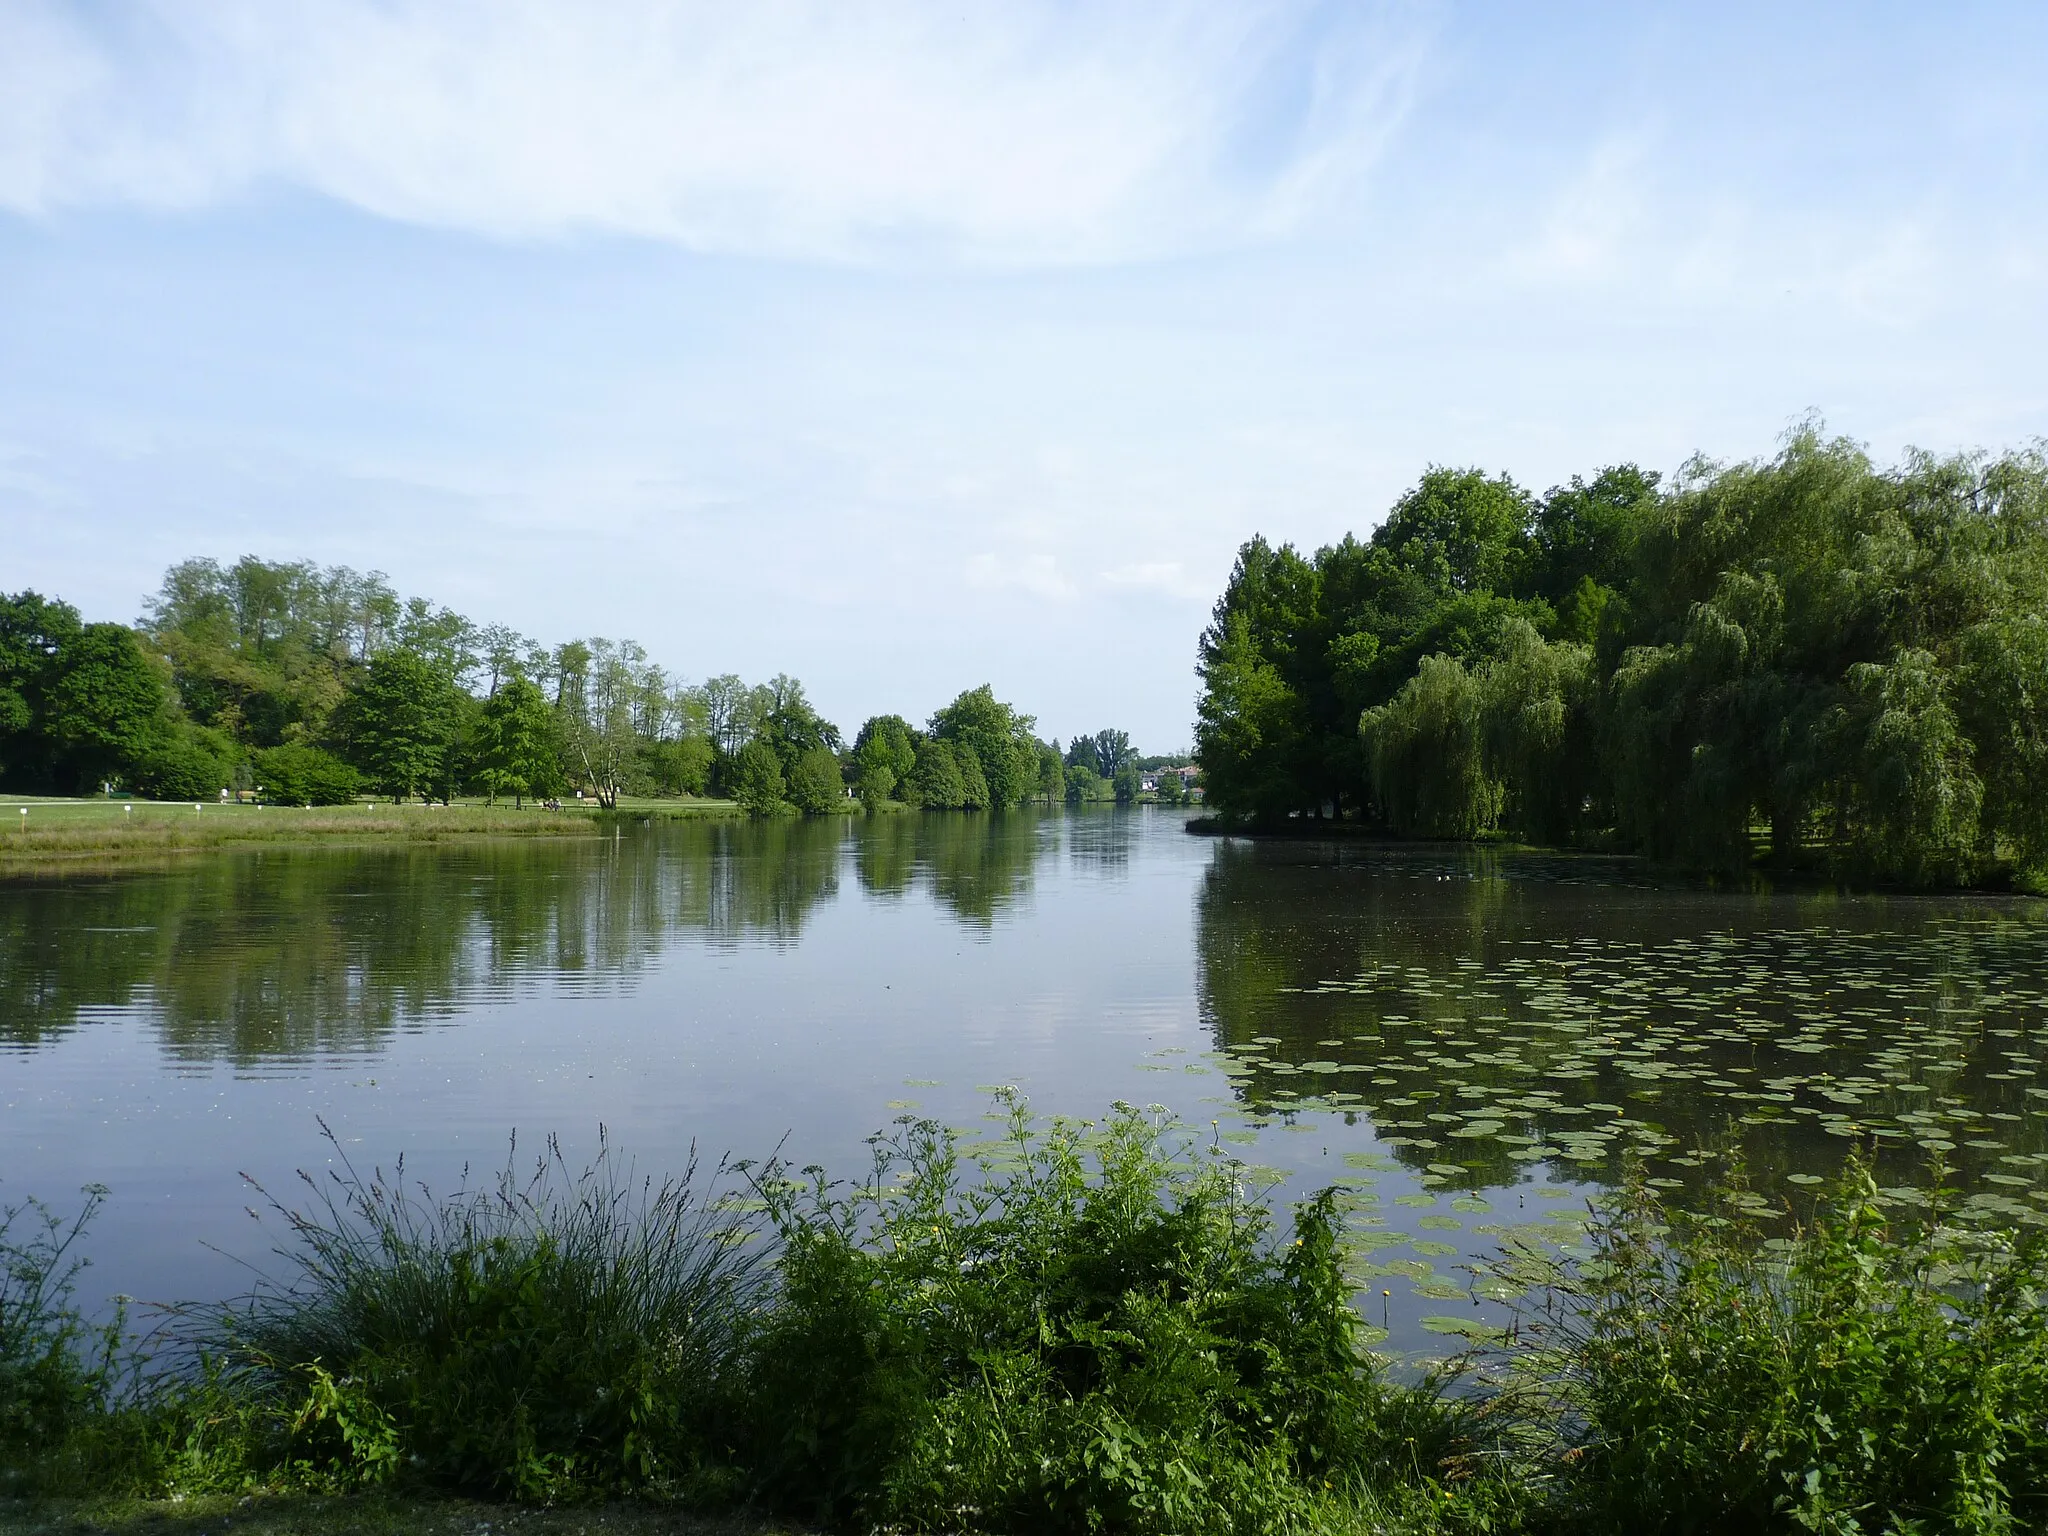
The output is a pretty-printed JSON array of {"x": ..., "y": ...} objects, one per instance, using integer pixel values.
[
  {"x": 1096, "y": 1333},
  {"x": 1085, "y": 786},
  {"x": 297, "y": 774},
  {"x": 187, "y": 763},
  {"x": 1052, "y": 775},
  {"x": 1065, "y": 1327},
  {"x": 80, "y": 705},
  {"x": 515, "y": 746},
  {"x": 935, "y": 780},
  {"x": 816, "y": 786},
  {"x": 993, "y": 743},
  {"x": 756, "y": 779},
  {"x": 57, "y": 1372},
  {"x": 265, "y": 652},
  {"x": 884, "y": 753},
  {"x": 1859, "y": 1376},
  {"x": 556, "y": 1335},
  {"x": 1851, "y": 657},
  {"x": 400, "y": 723},
  {"x": 1124, "y": 783},
  {"x": 1428, "y": 764}
]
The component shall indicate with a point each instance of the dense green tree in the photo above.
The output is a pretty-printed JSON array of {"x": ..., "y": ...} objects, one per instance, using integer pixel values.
[
  {"x": 1084, "y": 785},
  {"x": 1125, "y": 783},
  {"x": 935, "y": 781},
  {"x": 998, "y": 739},
  {"x": 785, "y": 720},
  {"x": 884, "y": 753},
  {"x": 1052, "y": 774},
  {"x": 400, "y": 723},
  {"x": 298, "y": 774},
  {"x": 516, "y": 742},
  {"x": 816, "y": 786},
  {"x": 756, "y": 779},
  {"x": 266, "y": 651},
  {"x": 1852, "y": 659}
]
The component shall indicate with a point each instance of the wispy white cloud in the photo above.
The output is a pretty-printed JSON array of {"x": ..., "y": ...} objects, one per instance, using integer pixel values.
[{"x": 1023, "y": 132}]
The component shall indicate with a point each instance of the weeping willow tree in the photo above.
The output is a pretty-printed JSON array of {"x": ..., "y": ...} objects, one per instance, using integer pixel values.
[{"x": 1808, "y": 658}]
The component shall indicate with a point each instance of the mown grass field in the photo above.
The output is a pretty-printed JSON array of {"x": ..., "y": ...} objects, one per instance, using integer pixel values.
[{"x": 41, "y": 835}]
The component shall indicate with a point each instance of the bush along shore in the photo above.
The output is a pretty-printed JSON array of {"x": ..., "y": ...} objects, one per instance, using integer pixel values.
[{"x": 1078, "y": 1328}]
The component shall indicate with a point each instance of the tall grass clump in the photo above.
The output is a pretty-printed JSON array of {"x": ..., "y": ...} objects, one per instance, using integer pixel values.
[
  {"x": 554, "y": 1336},
  {"x": 1859, "y": 1375},
  {"x": 1088, "y": 1328},
  {"x": 58, "y": 1371}
]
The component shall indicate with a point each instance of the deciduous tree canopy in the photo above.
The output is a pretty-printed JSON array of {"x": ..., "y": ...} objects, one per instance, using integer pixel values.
[{"x": 1841, "y": 664}]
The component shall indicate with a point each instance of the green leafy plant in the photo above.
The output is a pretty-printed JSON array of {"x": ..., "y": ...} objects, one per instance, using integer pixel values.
[{"x": 536, "y": 1338}]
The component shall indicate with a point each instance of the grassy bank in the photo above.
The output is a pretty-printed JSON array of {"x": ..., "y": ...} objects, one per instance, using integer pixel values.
[
  {"x": 371, "y": 1514},
  {"x": 1079, "y": 1328},
  {"x": 62, "y": 835}
]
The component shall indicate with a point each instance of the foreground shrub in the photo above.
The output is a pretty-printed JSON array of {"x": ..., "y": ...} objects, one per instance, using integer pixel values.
[
  {"x": 1858, "y": 1376},
  {"x": 1098, "y": 1333},
  {"x": 559, "y": 1335}
]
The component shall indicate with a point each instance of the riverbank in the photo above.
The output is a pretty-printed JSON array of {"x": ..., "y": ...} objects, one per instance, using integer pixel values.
[
  {"x": 366, "y": 1514},
  {"x": 1061, "y": 1327},
  {"x": 42, "y": 836}
]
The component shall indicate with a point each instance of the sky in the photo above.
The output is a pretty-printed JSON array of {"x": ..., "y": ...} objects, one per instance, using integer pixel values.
[{"x": 905, "y": 347}]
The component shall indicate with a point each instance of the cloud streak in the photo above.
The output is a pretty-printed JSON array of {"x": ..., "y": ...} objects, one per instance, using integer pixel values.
[{"x": 1017, "y": 134}]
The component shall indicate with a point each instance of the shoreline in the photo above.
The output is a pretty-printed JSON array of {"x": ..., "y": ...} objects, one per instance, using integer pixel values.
[{"x": 59, "y": 837}]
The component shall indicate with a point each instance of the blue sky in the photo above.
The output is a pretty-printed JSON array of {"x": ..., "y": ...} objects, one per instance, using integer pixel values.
[{"x": 907, "y": 347}]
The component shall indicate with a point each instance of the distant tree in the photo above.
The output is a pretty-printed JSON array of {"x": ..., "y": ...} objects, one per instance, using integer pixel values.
[
  {"x": 299, "y": 774},
  {"x": 516, "y": 748},
  {"x": 1124, "y": 783},
  {"x": 681, "y": 766},
  {"x": 935, "y": 781},
  {"x": 816, "y": 786},
  {"x": 1052, "y": 775},
  {"x": 189, "y": 763},
  {"x": 599, "y": 720},
  {"x": 1084, "y": 784},
  {"x": 106, "y": 706},
  {"x": 728, "y": 713},
  {"x": 998, "y": 739},
  {"x": 788, "y": 723},
  {"x": 1171, "y": 790},
  {"x": 756, "y": 779},
  {"x": 1112, "y": 751},
  {"x": 884, "y": 753},
  {"x": 399, "y": 723}
]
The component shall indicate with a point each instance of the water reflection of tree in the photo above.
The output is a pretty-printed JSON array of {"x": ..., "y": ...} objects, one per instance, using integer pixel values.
[
  {"x": 1422, "y": 943},
  {"x": 1099, "y": 838},
  {"x": 291, "y": 954},
  {"x": 979, "y": 863}
]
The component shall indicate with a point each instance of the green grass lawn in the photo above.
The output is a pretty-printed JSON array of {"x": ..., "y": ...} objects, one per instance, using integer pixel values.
[{"x": 40, "y": 834}]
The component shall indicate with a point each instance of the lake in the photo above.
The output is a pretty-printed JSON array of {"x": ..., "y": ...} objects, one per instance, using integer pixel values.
[{"x": 1471, "y": 1042}]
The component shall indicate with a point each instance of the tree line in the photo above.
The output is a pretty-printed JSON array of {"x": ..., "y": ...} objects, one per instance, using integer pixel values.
[
  {"x": 1809, "y": 658},
  {"x": 317, "y": 685}
]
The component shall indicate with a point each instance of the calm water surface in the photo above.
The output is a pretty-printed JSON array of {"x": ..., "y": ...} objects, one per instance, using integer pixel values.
[{"x": 1471, "y": 1043}]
